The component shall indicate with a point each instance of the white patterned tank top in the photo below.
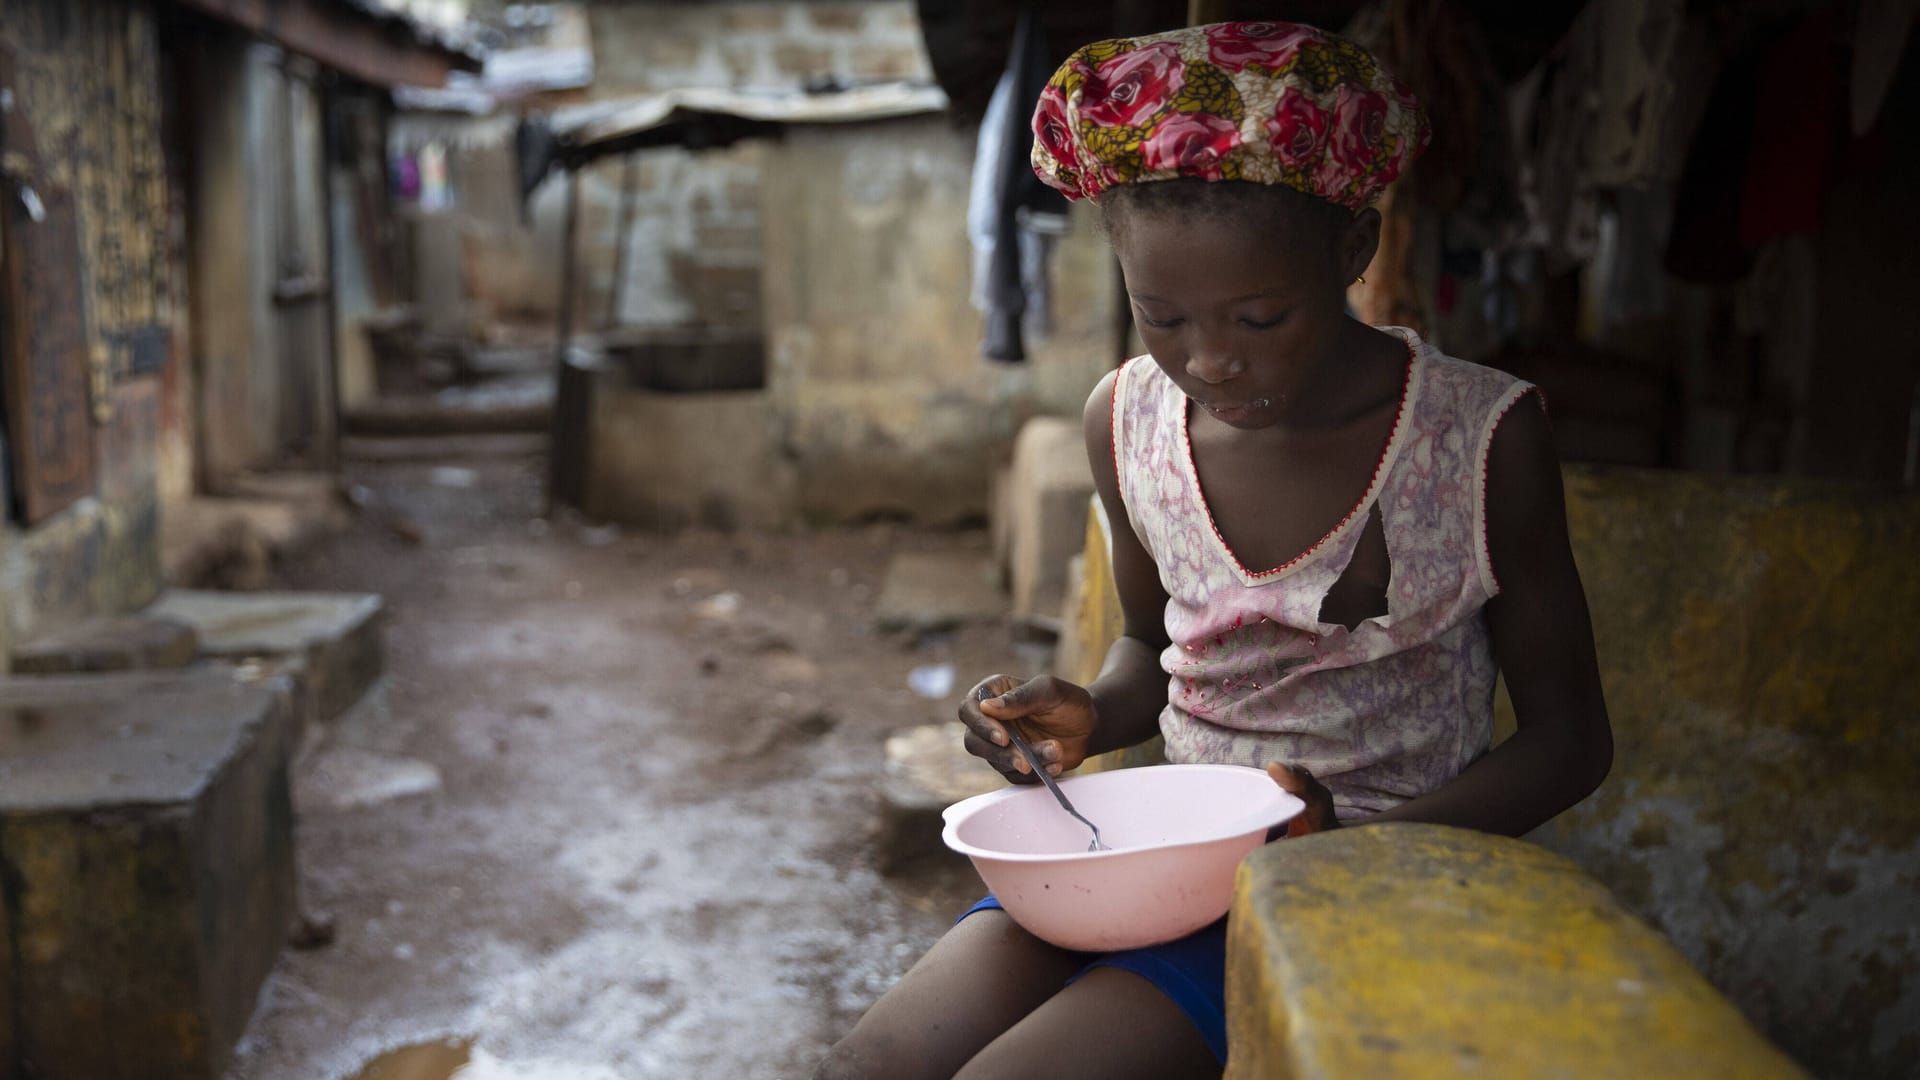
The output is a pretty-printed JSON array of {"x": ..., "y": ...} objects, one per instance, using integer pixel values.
[{"x": 1384, "y": 712}]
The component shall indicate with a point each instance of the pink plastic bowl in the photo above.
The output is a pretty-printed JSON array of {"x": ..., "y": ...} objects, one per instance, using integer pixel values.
[{"x": 1177, "y": 834}]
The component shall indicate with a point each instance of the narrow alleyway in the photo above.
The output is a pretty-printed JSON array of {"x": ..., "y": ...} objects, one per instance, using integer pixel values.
[{"x": 647, "y": 854}]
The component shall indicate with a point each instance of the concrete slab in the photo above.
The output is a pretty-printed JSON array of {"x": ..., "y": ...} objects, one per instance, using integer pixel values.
[
  {"x": 928, "y": 769},
  {"x": 937, "y": 591},
  {"x": 146, "y": 840},
  {"x": 1045, "y": 505},
  {"x": 337, "y": 635},
  {"x": 127, "y": 643}
]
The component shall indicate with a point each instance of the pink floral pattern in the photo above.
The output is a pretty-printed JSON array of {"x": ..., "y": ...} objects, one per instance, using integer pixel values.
[
  {"x": 1195, "y": 144},
  {"x": 1266, "y": 102},
  {"x": 1133, "y": 86},
  {"x": 1298, "y": 132},
  {"x": 1382, "y": 713},
  {"x": 1271, "y": 45},
  {"x": 1051, "y": 128}
]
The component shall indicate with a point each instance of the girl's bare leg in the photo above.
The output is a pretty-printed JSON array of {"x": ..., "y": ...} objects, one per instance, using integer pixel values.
[
  {"x": 984, "y": 977},
  {"x": 1109, "y": 1025}
]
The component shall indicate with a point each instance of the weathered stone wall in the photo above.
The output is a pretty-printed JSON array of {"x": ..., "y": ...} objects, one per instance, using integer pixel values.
[
  {"x": 642, "y": 48},
  {"x": 874, "y": 346},
  {"x": 1764, "y": 806},
  {"x": 693, "y": 251},
  {"x": 844, "y": 245}
]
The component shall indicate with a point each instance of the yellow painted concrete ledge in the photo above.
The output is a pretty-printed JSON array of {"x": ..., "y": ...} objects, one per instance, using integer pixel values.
[{"x": 1424, "y": 951}]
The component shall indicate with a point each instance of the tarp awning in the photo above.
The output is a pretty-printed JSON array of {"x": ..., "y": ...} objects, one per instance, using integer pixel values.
[{"x": 583, "y": 132}]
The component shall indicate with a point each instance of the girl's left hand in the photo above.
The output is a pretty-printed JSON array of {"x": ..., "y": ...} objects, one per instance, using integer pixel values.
[{"x": 1297, "y": 781}]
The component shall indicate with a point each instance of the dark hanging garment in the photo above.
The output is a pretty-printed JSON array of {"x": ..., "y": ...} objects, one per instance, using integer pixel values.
[
  {"x": 1799, "y": 115},
  {"x": 1013, "y": 217},
  {"x": 1705, "y": 245}
]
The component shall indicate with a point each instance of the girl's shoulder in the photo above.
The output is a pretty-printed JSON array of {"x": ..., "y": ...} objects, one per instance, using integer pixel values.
[{"x": 1455, "y": 390}]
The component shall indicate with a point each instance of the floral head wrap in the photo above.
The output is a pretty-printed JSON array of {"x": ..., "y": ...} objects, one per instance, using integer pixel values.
[{"x": 1269, "y": 102}]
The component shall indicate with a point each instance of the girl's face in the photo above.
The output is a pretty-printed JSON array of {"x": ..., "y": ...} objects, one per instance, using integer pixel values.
[{"x": 1246, "y": 321}]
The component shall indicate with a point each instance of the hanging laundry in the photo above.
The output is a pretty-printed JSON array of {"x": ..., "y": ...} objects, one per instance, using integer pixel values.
[
  {"x": 1797, "y": 124},
  {"x": 1634, "y": 83},
  {"x": 1555, "y": 113},
  {"x": 1705, "y": 244},
  {"x": 1013, "y": 219},
  {"x": 1880, "y": 36}
]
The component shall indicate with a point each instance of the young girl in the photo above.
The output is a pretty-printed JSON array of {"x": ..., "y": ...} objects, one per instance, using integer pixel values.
[{"x": 1327, "y": 537}]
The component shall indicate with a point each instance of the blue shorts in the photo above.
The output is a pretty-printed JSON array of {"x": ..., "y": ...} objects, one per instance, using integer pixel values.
[{"x": 1192, "y": 971}]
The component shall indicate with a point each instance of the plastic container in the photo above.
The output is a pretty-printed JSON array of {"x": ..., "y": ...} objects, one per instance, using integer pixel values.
[{"x": 1176, "y": 833}]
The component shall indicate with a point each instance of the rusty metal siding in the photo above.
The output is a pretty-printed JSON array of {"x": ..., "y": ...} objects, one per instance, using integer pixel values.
[
  {"x": 43, "y": 350},
  {"x": 94, "y": 285}
]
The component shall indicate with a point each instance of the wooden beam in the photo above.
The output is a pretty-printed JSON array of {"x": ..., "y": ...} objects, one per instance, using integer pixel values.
[
  {"x": 629, "y": 183},
  {"x": 383, "y": 52},
  {"x": 557, "y": 440}
]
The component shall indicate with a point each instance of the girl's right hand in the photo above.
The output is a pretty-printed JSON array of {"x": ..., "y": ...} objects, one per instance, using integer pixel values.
[{"x": 1056, "y": 718}]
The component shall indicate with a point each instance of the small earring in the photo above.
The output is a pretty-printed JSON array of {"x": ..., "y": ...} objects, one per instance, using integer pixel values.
[{"x": 1361, "y": 280}]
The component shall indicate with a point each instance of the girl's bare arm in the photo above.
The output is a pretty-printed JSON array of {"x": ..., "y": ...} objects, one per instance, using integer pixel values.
[{"x": 1543, "y": 641}]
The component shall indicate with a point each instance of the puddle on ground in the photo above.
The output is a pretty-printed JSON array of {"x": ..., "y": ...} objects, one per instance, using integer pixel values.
[
  {"x": 442, "y": 1060},
  {"x": 457, "y": 1059}
]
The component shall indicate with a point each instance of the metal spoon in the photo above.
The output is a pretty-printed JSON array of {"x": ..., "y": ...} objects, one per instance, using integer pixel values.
[{"x": 1040, "y": 770}]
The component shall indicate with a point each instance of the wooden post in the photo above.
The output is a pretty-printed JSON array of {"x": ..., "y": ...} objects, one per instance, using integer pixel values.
[
  {"x": 563, "y": 334},
  {"x": 1202, "y": 12},
  {"x": 629, "y": 180}
]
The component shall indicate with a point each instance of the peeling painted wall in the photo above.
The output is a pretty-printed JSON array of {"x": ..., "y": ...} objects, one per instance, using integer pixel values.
[
  {"x": 91, "y": 81},
  {"x": 1756, "y": 644}
]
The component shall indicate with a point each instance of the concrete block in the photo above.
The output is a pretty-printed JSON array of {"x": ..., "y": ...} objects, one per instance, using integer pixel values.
[
  {"x": 1046, "y": 508},
  {"x": 927, "y": 770},
  {"x": 800, "y": 62},
  {"x": 1419, "y": 950},
  {"x": 1091, "y": 622},
  {"x": 763, "y": 18},
  {"x": 671, "y": 460},
  {"x": 1000, "y": 520},
  {"x": 337, "y": 636},
  {"x": 937, "y": 591},
  {"x": 837, "y": 17},
  {"x": 889, "y": 61},
  {"x": 129, "y": 643},
  {"x": 146, "y": 842}
]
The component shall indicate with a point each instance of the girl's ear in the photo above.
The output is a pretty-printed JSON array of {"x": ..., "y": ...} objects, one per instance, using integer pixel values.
[{"x": 1359, "y": 245}]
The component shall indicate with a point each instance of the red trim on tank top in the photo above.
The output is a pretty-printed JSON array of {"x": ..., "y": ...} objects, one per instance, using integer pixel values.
[{"x": 1366, "y": 497}]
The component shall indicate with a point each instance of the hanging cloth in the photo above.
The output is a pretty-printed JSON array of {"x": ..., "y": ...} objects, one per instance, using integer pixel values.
[{"x": 1012, "y": 218}]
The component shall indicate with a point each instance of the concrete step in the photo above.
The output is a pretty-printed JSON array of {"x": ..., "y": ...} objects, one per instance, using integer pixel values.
[
  {"x": 147, "y": 848},
  {"x": 331, "y": 642},
  {"x": 125, "y": 643},
  {"x": 514, "y": 403},
  {"x": 1043, "y": 511},
  {"x": 927, "y": 770},
  {"x": 932, "y": 591}
]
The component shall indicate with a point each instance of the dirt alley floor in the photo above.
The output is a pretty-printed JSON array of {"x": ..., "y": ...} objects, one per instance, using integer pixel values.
[{"x": 648, "y": 855}]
